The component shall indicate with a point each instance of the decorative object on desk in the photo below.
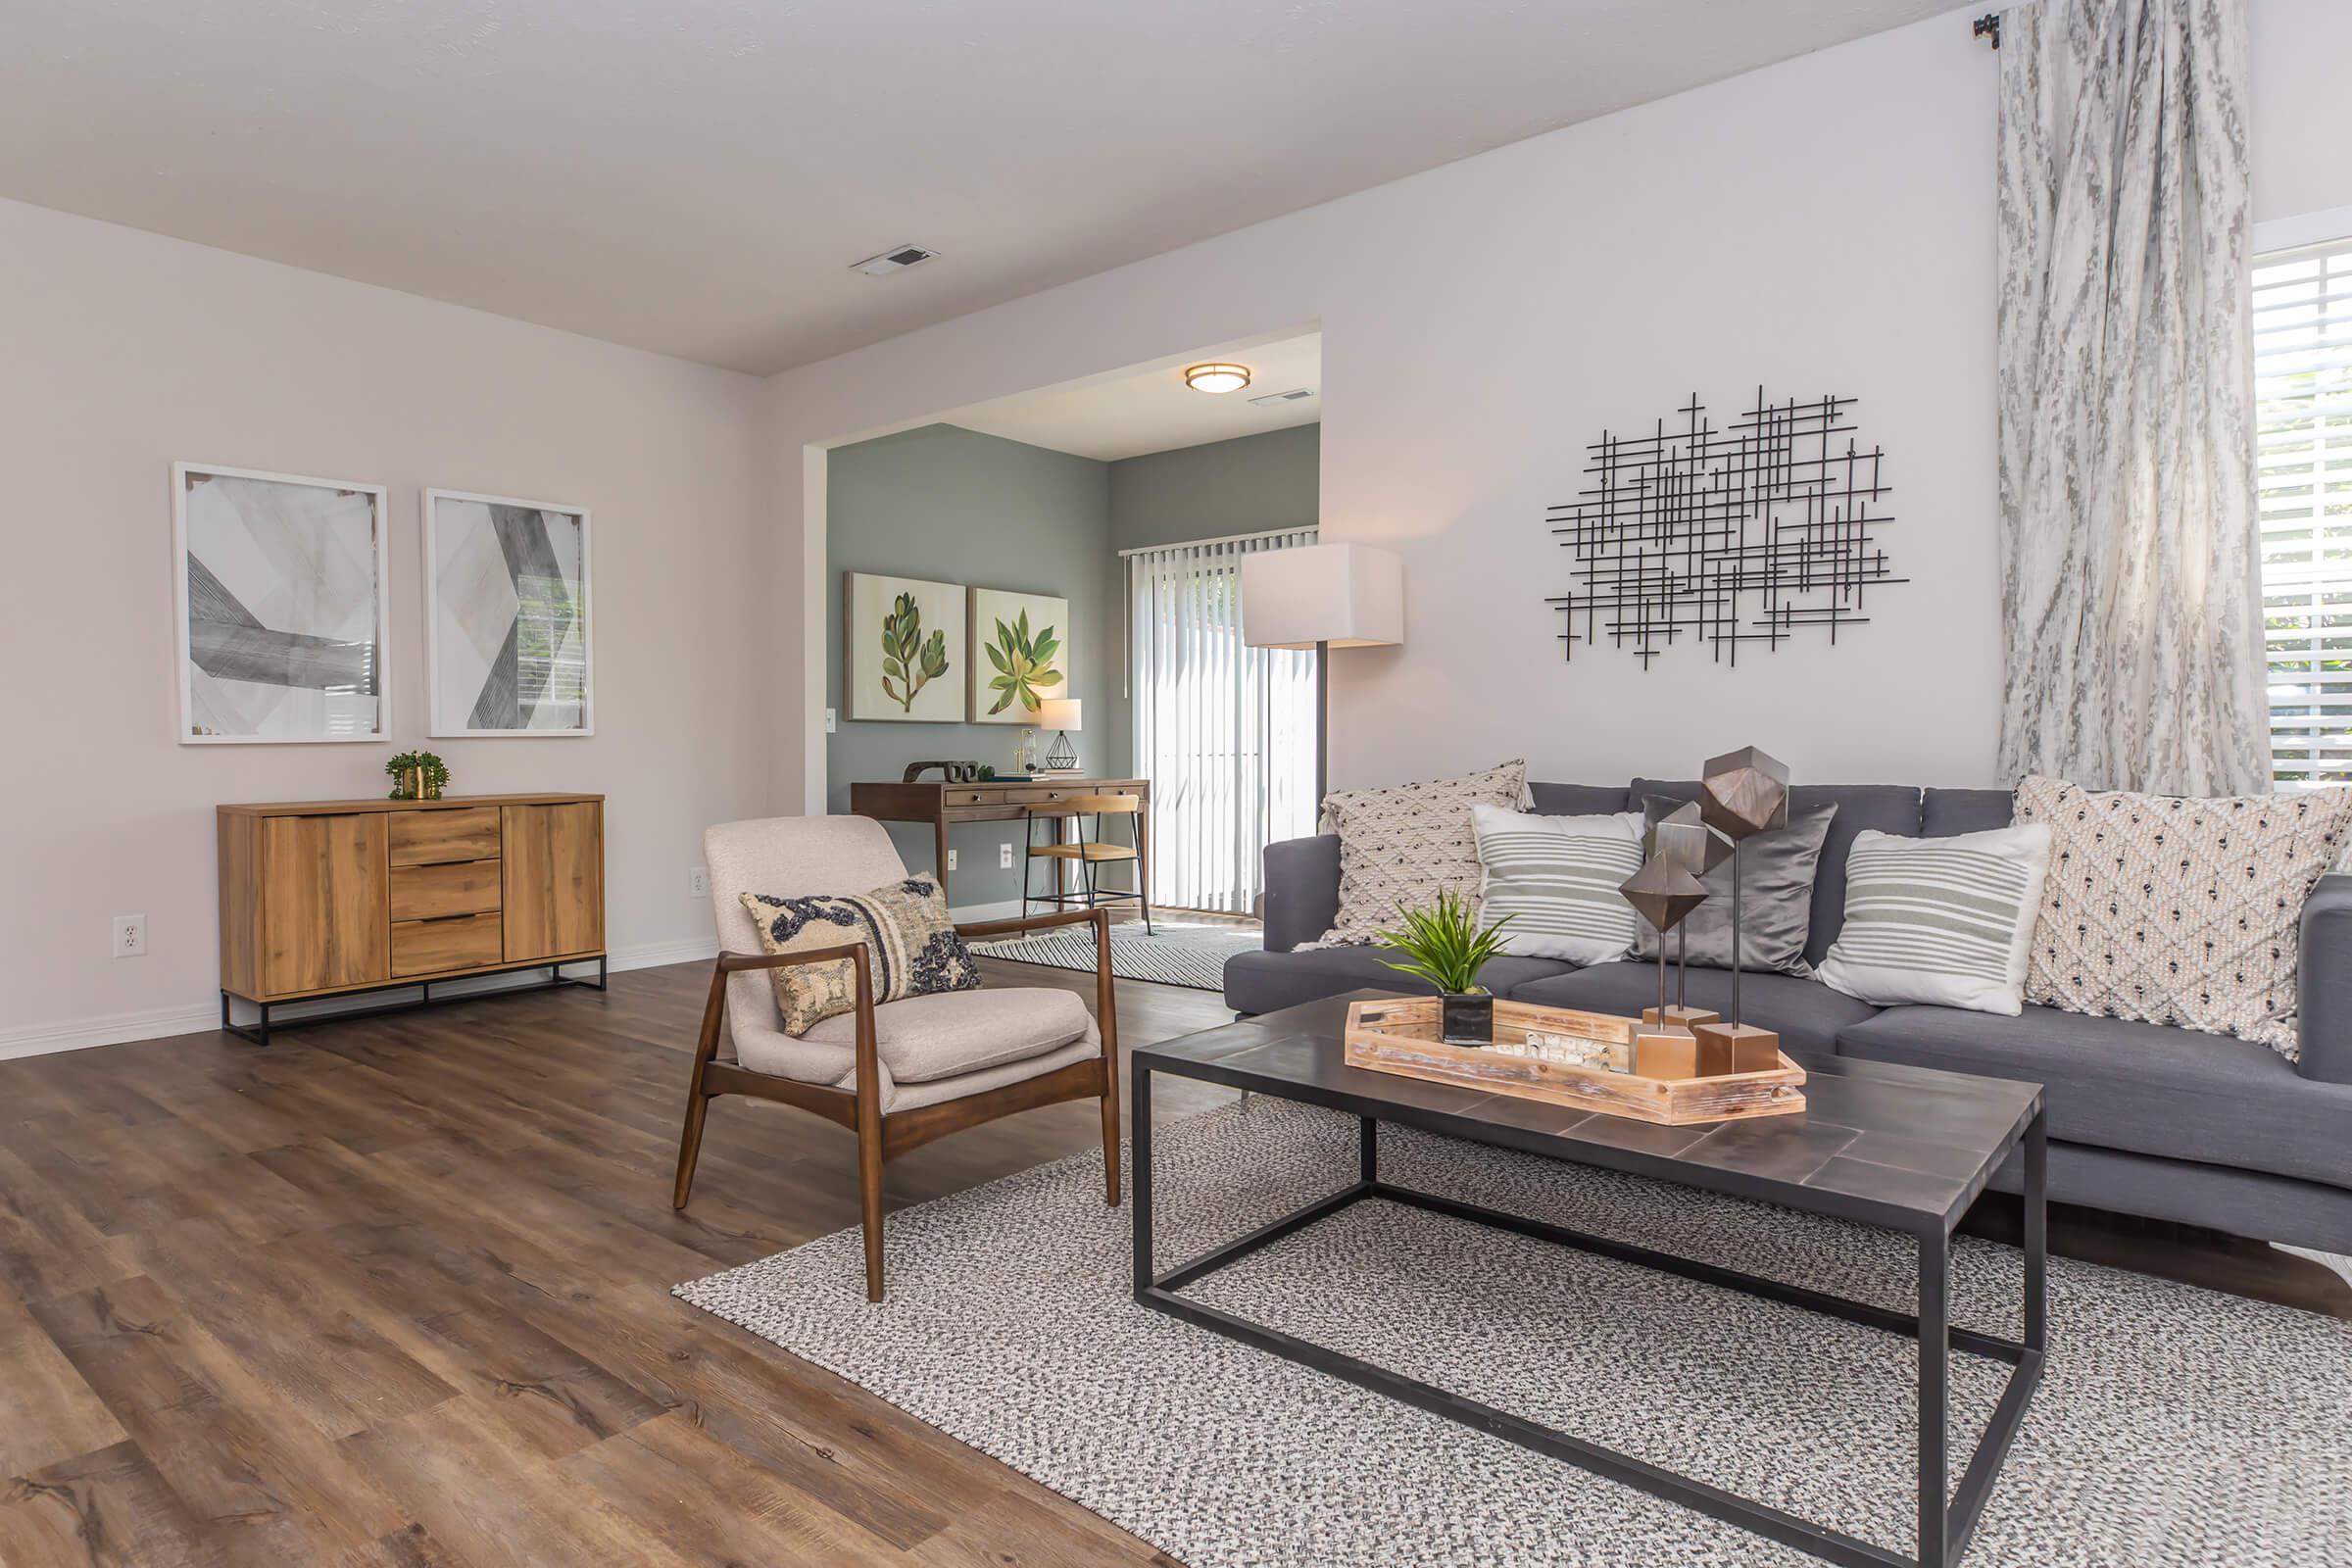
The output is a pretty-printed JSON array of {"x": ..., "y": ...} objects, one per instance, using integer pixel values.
[
  {"x": 1749, "y": 534},
  {"x": 909, "y": 938},
  {"x": 900, "y": 639},
  {"x": 1682, "y": 836},
  {"x": 1062, "y": 716},
  {"x": 1019, "y": 651},
  {"x": 1323, "y": 596},
  {"x": 1564, "y": 1057},
  {"x": 1742, "y": 794},
  {"x": 1556, "y": 877},
  {"x": 1446, "y": 948},
  {"x": 952, "y": 772},
  {"x": 416, "y": 776},
  {"x": 507, "y": 617},
  {"x": 279, "y": 582},
  {"x": 1664, "y": 893}
]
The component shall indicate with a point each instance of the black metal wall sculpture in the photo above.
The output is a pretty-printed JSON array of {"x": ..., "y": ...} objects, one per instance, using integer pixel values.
[{"x": 1747, "y": 534}]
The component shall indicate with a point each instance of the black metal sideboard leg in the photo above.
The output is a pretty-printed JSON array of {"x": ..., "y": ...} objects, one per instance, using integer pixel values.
[
  {"x": 1139, "y": 1178},
  {"x": 1935, "y": 1370}
]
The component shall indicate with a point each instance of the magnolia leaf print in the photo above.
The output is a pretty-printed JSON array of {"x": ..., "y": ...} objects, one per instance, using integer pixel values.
[
  {"x": 1021, "y": 662},
  {"x": 908, "y": 659}
]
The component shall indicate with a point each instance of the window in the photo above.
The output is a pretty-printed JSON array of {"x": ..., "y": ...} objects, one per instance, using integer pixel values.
[{"x": 2303, "y": 421}]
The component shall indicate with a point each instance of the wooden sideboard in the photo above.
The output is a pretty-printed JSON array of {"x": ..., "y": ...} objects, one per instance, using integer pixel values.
[{"x": 333, "y": 898}]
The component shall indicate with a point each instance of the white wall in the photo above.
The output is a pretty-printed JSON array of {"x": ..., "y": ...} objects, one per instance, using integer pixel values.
[
  {"x": 1821, "y": 226},
  {"x": 120, "y": 352}
]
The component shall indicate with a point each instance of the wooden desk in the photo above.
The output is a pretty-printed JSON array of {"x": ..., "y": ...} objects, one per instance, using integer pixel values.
[{"x": 996, "y": 800}]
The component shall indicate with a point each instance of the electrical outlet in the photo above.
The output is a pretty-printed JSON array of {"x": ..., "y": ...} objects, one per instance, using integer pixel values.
[
  {"x": 698, "y": 881},
  {"x": 1003, "y": 857},
  {"x": 951, "y": 860},
  {"x": 828, "y": 721},
  {"x": 131, "y": 936}
]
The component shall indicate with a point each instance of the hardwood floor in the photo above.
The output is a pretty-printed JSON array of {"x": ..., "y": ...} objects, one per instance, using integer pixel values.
[{"x": 395, "y": 1292}]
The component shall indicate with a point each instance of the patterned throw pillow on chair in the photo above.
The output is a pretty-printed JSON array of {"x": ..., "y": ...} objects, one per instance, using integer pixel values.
[
  {"x": 911, "y": 946},
  {"x": 2178, "y": 911}
]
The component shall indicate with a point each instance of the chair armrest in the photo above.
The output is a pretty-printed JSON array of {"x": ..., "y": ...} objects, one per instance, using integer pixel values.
[
  {"x": 1302, "y": 890},
  {"x": 734, "y": 962},
  {"x": 1032, "y": 922},
  {"x": 2323, "y": 1003},
  {"x": 731, "y": 964}
]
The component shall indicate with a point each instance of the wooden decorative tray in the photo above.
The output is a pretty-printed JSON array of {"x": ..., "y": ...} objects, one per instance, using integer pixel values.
[{"x": 1402, "y": 1037}]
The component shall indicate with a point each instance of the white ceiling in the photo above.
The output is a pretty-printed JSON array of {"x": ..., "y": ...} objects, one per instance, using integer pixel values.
[
  {"x": 1147, "y": 408},
  {"x": 696, "y": 176}
]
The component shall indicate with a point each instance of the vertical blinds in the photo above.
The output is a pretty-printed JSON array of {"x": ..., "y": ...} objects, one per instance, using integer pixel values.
[
  {"x": 2303, "y": 413},
  {"x": 1225, "y": 733}
]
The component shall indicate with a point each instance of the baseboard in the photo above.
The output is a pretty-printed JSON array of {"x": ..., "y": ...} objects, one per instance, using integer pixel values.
[{"x": 204, "y": 1017}]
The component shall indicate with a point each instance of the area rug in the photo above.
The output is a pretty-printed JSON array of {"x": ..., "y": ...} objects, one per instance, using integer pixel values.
[
  {"x": 2175, "y": 1426},
  {"x": 1185, "y": 955}
]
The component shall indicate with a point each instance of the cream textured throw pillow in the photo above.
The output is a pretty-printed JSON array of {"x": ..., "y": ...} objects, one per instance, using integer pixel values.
[
  {"x": 2177, "y": 911},
  {"x": 1400, "y": 845},
  {"x": 1556, "y": 879}
]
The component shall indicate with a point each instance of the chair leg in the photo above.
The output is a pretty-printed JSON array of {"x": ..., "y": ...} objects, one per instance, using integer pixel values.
[
  {"x": 1028, "y": 854},
  {"x": 690, "y": 1140},
  {"x": 869, "y": 1195}
]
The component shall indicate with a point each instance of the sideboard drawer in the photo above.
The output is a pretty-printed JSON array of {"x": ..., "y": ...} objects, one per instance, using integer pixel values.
[
  {"x": 428, "y": 837},
  {"x": 465, "y": 942},
  {"x": 453, "y": 887}
]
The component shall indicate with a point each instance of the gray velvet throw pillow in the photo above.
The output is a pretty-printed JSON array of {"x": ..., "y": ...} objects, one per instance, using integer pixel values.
[{"x": 1776, "y": 908}]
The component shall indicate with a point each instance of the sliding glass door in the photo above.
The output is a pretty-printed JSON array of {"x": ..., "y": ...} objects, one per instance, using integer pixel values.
[{"x": 1226, "y": 733}]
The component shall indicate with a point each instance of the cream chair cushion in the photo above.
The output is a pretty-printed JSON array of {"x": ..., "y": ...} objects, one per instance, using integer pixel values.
[{"x": 951, "y": 1032}]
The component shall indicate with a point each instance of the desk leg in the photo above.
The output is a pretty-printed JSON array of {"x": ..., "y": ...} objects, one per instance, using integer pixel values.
[{"x": 939, "y": 853}]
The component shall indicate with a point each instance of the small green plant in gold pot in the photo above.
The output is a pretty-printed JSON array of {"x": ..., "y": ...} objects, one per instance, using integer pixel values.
[
  {"x": 418, "y": 776},
  {"x": 1444, "y": 947}
]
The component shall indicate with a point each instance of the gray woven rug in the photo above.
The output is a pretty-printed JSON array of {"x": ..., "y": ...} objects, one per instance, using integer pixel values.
[
  {"x": 1188, "y": 956},
  {"x": 2174, "y": 1427}
]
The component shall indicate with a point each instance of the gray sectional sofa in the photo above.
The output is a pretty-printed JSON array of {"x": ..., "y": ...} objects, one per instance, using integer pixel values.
[{"x": 2196, "y": 1128}]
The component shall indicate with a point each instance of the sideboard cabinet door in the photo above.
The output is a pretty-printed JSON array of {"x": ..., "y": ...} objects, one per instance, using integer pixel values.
[
  {"x": 322, "y": 889},
  {"x": 553, "y": 859}
]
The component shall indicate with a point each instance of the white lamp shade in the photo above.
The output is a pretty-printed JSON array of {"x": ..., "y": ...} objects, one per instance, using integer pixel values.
[
  {"x": 1350, "y": 596},
  {"x": 1057, "y": 713}
]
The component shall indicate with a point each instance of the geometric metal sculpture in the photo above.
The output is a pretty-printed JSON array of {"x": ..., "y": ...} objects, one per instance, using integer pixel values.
[
  {"x": 1664, "y": 893},
  {"x": 1742, "y": 794},
  {"x": 1750, "y": 534},
  {"x": 1681, "y": 836}
]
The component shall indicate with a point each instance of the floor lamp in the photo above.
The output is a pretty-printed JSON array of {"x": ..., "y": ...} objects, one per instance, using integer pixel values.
[{"x": 1322, "y": 596}]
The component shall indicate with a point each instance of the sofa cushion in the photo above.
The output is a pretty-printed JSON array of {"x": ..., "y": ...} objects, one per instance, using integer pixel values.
[
  {"x": 1556, "y": 880},
  {"x": 1777, "y": 869},
  {"x": 1807, "y": 1014},
  {"x": 1578, "y": 800},
  {"x": 1886, "y": 808},
  {"x": 1944, "y": 813},
  {"x": 1402, "y": 845},
  {"x": 2140, "y": 1086},
  {"x": 951, "y": 1032},
  {"x": 1261, "y": 982}
]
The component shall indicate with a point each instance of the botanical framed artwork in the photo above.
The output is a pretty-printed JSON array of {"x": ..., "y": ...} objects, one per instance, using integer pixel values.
[
  {"x": 509, "y": 623},
  {"x": 902, "y": 638},
  {"x": 1020, "y": 648},
  {"x": 278, "y": 583}
]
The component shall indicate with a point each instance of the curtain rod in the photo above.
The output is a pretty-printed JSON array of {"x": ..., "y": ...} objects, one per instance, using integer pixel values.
[
  {"x": 1222, "y": 539},
  {"x": 1987, "y": 25}
]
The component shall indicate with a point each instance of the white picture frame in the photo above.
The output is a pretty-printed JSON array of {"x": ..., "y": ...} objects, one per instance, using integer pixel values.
[
  {"x": 279, "y": 550},
  {"x": 868, "y": 689},
  {"x": 472, "y": 611},
  {"x": 1048, "y": 615}
]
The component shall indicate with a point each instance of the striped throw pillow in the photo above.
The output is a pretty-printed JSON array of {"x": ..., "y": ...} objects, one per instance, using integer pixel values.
[
  {"x": 1947, "y": 921},
  {"x": 1557, "y": 878}
]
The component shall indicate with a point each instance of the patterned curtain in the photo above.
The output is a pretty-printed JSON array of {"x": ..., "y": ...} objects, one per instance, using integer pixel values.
[{"x": 2131, "y": 645}]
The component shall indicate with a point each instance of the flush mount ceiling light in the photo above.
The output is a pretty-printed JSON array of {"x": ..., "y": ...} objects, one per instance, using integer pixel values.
[
  {"x": 897, "y": 259},
  {"x": 1217, "y": 377}
]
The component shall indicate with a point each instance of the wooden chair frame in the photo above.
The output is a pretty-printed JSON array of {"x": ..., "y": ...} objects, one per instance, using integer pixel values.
[{"x": 885, "y": 1135}]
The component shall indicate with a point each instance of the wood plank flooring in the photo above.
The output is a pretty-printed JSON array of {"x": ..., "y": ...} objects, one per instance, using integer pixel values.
[{"x": 395, "y": 1292}]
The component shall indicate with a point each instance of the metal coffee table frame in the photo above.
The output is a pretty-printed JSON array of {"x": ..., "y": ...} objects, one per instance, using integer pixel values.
[{"x": 1944, "y": 1524}]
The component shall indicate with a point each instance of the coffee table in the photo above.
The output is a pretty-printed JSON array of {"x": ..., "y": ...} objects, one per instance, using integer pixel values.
[{"x": 1904, "y": 1148}]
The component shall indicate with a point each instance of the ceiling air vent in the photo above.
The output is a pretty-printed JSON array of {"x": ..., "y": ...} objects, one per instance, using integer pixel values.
[
  {"x": 897, "y": 259},
  {"x": 1294, "y": 395}
]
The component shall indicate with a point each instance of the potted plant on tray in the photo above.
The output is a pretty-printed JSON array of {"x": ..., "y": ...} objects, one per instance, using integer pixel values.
[{"x": 1447, "y": 948}]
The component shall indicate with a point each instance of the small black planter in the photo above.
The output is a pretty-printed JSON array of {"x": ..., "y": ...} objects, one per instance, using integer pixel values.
[{"x": 1468, "y": 1019}]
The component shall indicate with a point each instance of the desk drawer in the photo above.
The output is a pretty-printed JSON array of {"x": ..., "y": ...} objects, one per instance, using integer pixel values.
[
  {"x": 1047, "y": 794},
  {"x": 426, "y": 837},
  {"x": 960, "y": 795},
  {"x": 463, "y": 942},
  {"x": 455, "y": 887}
]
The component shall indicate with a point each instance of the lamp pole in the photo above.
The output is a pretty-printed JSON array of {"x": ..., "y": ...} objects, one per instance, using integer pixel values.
[{"x": 1322, "y": 728}]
